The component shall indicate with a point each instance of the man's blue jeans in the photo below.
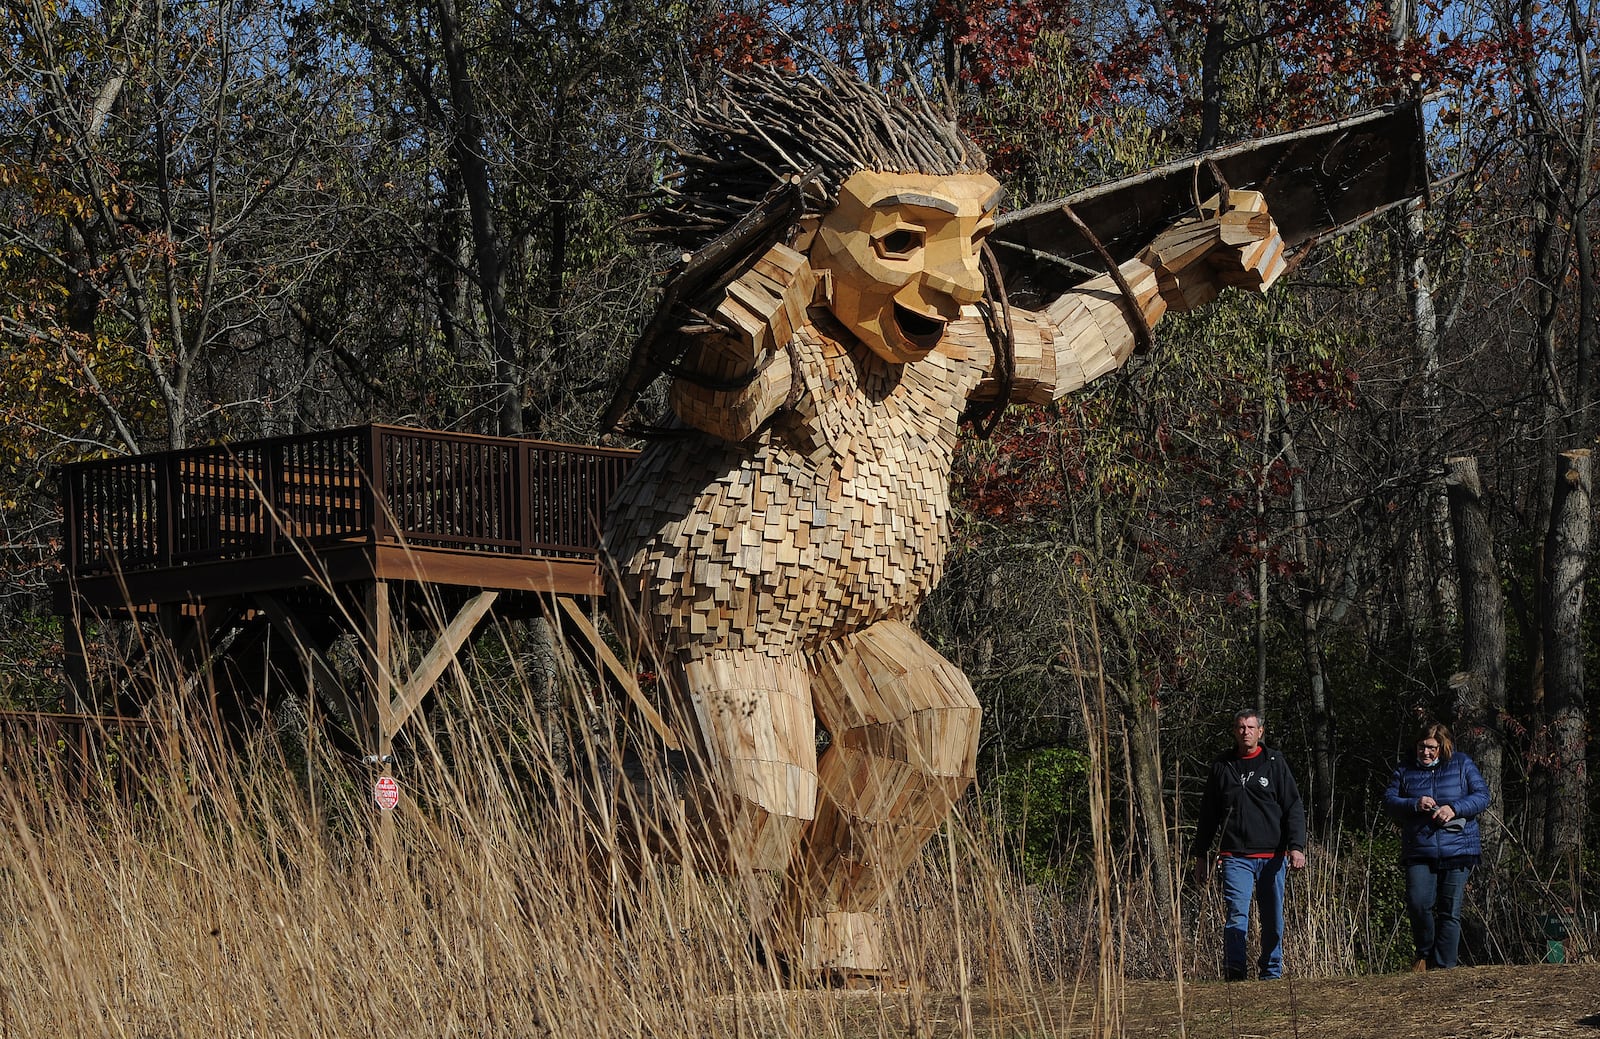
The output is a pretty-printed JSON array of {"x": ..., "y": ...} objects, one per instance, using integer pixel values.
[
  {"x": 1433, "y": 901},
  {"x": 1262, "y": 879}
]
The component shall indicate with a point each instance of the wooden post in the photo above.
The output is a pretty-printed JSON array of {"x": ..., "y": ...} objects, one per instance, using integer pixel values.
[
  {"x": 72, "y": 521},
  {"x": 308, "y": 674},
  {"x": 378, "y": 505},
  {"x": 167, "y": 494},
  {"x": 274, "y": 505},
  {"x": 378, "y": 646},
  {"x": 80, "y": 696},
  {"x": 522, "y": 497}
]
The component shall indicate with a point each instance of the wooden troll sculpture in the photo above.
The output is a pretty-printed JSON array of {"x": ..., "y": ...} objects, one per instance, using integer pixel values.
[{"x": 778, "y": 542}]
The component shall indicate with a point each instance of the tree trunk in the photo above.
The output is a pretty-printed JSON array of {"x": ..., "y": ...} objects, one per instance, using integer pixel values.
[
  {"x": 1215, "y": 47},
  {"x": 1263, "y": 572},
  {"x": 1481, "y": 687},
  {"x": 1321, "y": 716},
  {"x": 1308, "y": 604},
  {"x": 1144, "y": 765},
  {"x": 542, "y": 671},
  {"x": 1584, "y": 143},
  {"x": 1419, "y": 292},
  {"x": 1566, "y": 566},
  {"x": 1588, "y": 336},
  {"x": 1425, "y": 332},
  {"x": 1144, "y": 760},
  {"x": 467, "y": 146}
]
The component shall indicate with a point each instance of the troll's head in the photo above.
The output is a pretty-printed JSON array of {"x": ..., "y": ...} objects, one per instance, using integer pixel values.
[{"x": 895, "y": 198}]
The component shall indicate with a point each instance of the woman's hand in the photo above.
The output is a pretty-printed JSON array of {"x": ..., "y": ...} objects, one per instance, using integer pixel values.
[
  {"x": 1443, "y": 814},
  {"x": 1427, "y": 804}
]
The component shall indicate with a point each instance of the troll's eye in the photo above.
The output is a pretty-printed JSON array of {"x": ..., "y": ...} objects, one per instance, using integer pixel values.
[{"x": 899, "y": 243}]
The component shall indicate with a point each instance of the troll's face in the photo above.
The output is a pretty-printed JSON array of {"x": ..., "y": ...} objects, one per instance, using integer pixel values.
[{"x": 903, "y": 251}]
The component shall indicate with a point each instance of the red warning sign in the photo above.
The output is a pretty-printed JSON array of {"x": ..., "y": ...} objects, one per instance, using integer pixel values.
[{"x": 386, "y": 793}]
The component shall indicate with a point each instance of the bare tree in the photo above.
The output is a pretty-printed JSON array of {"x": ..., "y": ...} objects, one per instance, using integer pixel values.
[
  {"x": 172, "y": 211},
  {"x": 534, "y": 122},
  {"x": 1480, "y": 687},
  {"x": 1567, "y": 552}
]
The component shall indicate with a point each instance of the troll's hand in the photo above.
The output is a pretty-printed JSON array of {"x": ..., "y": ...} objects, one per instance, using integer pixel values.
[{"x": 1196, "y": 258}]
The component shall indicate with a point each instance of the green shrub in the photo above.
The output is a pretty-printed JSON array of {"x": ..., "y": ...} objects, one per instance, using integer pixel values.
[{"x": 1041, "y": 802}]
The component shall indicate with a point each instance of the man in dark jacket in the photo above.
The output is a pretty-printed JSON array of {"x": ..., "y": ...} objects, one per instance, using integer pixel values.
[{"x": 1251, "y": 800}]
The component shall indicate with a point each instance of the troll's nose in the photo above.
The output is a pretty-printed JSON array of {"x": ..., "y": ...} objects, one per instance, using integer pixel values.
[{"x": 960, "y": 279}]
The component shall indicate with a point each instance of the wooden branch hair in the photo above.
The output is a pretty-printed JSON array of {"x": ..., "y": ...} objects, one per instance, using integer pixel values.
[{"x": 754, "y": 129}]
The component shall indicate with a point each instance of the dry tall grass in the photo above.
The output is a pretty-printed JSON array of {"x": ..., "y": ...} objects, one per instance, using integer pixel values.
[{"x": 246, "y": 893}]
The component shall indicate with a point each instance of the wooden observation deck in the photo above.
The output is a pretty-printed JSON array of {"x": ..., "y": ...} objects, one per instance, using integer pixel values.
[{"x": 365, "y": 528}]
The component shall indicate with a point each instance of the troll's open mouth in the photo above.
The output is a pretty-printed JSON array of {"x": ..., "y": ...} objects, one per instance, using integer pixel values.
[{"x": 919, "y": 330}]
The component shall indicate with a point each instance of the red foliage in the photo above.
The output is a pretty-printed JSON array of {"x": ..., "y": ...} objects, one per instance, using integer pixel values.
[
  {"x": 998, "y": 36},
  {"x": 1198, "y": 528},
  {"x": 1032, "y": 470},
  {"x": 1327, "y": 386},
  {"x": 737, "y": 39},
  {"x": 1327, "y": 51}
]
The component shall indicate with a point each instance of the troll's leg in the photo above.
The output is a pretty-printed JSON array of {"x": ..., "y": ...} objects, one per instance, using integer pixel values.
[
  {"x": 904, "y": 723},
  {"x": 758, "y": 735}
]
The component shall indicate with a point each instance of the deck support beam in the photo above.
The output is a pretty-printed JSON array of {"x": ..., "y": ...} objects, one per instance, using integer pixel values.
[
  {"x": 624, "y": 675},
  {"x": 313, "y": 663},
  {"x": 80, "y": 698},
  {"x": 377, "y": 651},
  {"x": 383, "y": 712},
  {"x": 439, "y": 657},
  {"x": 310, "y": 521}
]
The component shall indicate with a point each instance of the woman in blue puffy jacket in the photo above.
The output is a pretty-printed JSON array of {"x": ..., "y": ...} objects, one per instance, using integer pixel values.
[{"x": 1437, "y": 798}]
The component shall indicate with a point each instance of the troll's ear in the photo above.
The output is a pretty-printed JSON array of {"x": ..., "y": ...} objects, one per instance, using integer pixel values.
[{"x": 805, "y": 233}]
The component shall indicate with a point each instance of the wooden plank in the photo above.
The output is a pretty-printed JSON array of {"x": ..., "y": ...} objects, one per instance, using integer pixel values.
[
  {"x": 630, "y": 684},
  {"x": 1375, "y": 161},
  {"x": 439, "y": 656},
  {"x": 486, "y": 570},
  {"x": 325, "y": 565}
]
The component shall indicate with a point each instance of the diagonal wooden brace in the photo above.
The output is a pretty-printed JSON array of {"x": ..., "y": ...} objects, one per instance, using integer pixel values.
[
  {"x": 422, "y": 680},
  {"x": 624, "y": 677}
]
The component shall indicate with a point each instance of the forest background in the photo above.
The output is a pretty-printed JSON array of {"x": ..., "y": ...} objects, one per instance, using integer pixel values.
[{"x": 1358, "y": 501}]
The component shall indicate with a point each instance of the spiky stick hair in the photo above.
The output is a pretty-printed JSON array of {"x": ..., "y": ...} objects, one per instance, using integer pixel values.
[{"x": 758, "y": 128}]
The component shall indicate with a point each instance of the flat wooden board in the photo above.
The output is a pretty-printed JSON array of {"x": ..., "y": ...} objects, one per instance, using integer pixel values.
[{"x": 1317, "y": 181}]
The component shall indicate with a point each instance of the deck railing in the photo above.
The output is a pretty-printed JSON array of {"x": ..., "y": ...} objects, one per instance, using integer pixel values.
[
  {"x": 362, "y": 485},
  {"x": 81, "y": 755}
]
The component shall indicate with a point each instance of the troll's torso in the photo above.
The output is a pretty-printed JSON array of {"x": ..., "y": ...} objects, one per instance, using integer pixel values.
[{"x": 833, "y": 515}]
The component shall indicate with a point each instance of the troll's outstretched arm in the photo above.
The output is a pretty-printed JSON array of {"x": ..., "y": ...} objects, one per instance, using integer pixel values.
[{"x": 1089, "y": 331}]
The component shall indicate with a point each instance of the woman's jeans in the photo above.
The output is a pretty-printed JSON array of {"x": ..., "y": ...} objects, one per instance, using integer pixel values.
[
  {"x": 1243, "y": 879},
  {"x": 1433, "y": 900}
]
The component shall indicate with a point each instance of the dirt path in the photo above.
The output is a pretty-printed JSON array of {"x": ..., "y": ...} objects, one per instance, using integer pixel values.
[
  {"x": 1537, "y": 1002},
  {"x": 1475, "y": 1003}
]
